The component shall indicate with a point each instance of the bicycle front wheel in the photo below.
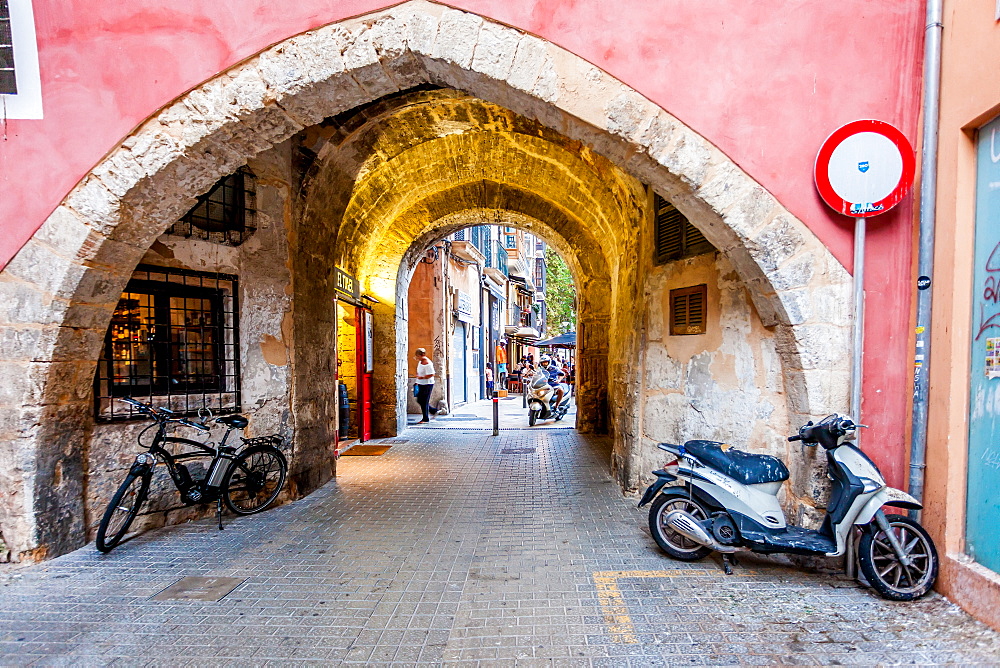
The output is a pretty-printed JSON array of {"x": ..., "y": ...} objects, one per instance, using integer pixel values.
[
  {"x": 121, "y": 511},
  {"x": 254, "y": 480}
]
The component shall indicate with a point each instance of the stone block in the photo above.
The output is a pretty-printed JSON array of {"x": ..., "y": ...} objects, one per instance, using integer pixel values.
[
  {"x": 687, "y": 158},
  {"x": 458, "y": 33},
  {"x": 95, "y": 204},
  {"x": 25, "y": 303},
  {"x": 297, "y": 64},
  {"x": 65, "y": 233},
  {"x": 152, "y": 147},
  {"x": 325, "y": 98},
  {"x": 20, "y": 344},
  {"x": 796, "y": 273},
  {"x": 495, "y": 49},
  {"x": 529, "y": 60},
  {"x": 724, "y": 185},
  {"x": 782, "y": 238},
  {"x": 37, "y": 264},
  {"x": 119, "y": 172},
  {"x": 422, "y": 32}
]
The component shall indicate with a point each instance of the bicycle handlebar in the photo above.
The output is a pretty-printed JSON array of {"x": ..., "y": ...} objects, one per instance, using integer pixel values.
[{"x": 162, "y": 414}]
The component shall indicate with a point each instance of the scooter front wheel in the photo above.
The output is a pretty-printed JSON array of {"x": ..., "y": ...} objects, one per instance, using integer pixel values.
[
  {"x": 532, "y": 417},
  {"x": 883, "y": 569},
  {"x": 677, "y": 546}
]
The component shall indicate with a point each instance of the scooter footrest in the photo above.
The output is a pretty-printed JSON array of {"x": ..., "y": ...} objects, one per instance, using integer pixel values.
[{"x": 801, "y": 541}]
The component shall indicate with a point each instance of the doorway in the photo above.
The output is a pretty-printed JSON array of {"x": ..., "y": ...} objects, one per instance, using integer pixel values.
[{"x": 354, "y": 371}]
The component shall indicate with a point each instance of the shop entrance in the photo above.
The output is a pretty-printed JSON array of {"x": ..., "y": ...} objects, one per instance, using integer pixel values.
[{"x": 354, "y": 371}]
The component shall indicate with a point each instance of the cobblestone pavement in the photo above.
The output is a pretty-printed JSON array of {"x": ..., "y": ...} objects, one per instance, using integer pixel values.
[{"x": 459, "y": 548}]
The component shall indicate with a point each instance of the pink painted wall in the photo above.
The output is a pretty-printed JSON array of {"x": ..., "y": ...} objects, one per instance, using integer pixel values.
[{"x": 766, "y": 84}]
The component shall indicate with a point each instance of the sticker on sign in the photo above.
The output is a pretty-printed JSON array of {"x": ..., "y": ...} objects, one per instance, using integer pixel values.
[{"x": 864, "y": 168}]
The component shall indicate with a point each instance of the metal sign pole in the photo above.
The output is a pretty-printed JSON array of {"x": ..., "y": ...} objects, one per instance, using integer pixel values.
[
  {"x": 859, "y": 323},
  {"x": 496, "y": 413}
]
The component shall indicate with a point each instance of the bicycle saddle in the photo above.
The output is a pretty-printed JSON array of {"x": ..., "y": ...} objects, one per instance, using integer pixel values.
[{"x": 234, "y": 421}]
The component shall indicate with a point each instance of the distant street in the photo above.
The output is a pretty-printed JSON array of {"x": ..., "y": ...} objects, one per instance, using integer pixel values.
[{"x": 458, "y": 547}]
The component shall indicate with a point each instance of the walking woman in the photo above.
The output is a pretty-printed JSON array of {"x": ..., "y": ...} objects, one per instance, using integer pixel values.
[{"x": 425, "y": 382}]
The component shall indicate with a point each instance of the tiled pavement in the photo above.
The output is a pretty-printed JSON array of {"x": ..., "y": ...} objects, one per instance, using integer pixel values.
[{"x": 457, "y": 547}]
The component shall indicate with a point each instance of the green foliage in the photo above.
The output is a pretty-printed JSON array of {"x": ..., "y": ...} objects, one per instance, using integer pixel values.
[{"x": 560, "y": 294}]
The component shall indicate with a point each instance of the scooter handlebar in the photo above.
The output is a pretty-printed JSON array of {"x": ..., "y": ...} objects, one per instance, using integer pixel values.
[{"x": 794, "y": 438}]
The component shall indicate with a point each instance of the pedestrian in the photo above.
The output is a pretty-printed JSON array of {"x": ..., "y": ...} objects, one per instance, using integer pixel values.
[
  {"x": 502, "y": 362},
  {"x": 425, "y": 382},
  {"x": 489, "y": 379}
]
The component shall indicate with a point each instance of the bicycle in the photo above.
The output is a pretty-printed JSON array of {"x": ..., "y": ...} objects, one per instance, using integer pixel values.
[{"x": 247, "y": 478}]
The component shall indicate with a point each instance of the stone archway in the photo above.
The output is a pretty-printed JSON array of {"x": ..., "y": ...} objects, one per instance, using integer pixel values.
[{"x": 62, "y": 286}]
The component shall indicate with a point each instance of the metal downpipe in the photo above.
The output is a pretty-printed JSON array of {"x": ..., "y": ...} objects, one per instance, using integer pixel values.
[{"x": 925, "y": 261}]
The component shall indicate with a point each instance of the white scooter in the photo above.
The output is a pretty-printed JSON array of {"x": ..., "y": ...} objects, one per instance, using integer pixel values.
[
  {"x": 542, "y": 399},
  {"x": 728, "y": 503}
]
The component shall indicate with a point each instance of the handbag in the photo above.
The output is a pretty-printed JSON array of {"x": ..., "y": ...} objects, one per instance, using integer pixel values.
[{"x": 416, "y": 390}]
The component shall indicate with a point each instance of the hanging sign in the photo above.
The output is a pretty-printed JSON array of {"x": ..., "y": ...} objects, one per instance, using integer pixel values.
[
  {"x": 347, "y": 284},
  {"x": 864, "y": 168}
]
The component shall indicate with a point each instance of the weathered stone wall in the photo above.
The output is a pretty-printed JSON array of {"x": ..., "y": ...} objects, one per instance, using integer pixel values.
[
  {"x": 727, "y": 385},
  {"x": 261, "y": 263},
  {"x": 58, "y": 293}
]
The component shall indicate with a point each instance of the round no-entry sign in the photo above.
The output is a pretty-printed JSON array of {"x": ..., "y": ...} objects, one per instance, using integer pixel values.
[{"x": 864, "y": 168}]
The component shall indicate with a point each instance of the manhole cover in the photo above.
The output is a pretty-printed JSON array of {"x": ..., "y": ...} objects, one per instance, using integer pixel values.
[
  {"x": 518, "y": 451},
  {"x": 395, "y": 441},
  {"x": 194, "y": 588}
]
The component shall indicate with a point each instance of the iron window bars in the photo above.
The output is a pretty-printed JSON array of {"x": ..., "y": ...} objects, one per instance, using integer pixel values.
[
  {"x": 225, "y": 214},
  {"x": 173, "y": 341}
]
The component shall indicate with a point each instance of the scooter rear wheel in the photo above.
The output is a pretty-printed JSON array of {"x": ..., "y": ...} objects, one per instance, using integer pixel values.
[
  {"x": 677, "y": 546},
  {"x": 883, "y": 569}
]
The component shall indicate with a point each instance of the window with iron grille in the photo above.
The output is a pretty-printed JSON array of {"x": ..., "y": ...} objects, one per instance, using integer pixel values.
[
  {"x": 8, "y": 81},
  {"x": 173, "y": 341},
  {"x": 675, "y": 236},
  {"x": 688, "y": 307},
  {"x": 225, "y": 214},
  {"x": 460, "y": 235},
  {"x": 511, "y": 241}
]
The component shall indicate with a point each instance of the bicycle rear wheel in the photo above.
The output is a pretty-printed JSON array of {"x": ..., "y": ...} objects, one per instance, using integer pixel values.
[
  {"x": 254, "y": 480},
  {"x": 121, "y": 511}
]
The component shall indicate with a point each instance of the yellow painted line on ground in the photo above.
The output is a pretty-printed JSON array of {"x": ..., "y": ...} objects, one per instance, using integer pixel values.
[{"x": 614, "y": 607}]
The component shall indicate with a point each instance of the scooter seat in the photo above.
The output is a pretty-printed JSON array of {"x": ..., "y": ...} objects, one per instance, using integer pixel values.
[{"x": 744, "y": 467}]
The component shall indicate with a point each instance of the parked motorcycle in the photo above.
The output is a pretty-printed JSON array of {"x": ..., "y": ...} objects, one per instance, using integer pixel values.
[
  {"x": 542, "y": 400},
  {"x": 728, "y": 503}
]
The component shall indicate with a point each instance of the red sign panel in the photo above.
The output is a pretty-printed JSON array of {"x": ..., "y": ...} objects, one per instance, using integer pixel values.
[{"x": 864, "y": 168}]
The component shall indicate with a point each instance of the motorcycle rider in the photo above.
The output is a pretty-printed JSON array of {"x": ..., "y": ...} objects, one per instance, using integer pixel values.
[{"x": 555, "y": 374}]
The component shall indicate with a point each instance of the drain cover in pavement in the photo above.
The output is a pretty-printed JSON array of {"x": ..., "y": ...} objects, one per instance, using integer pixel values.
[
  {"x": 194, "y": 588},
  {"x": 517, "y": 451},
  {"x": 395, "y": 441}
]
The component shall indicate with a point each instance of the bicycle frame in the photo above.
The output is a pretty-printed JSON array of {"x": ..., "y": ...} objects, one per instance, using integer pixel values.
[{"x": 171, "y": 461}]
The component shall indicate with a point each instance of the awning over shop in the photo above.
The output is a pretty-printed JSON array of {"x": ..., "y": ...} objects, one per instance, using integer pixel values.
[
  {"x": 526, "y": 335},
  {"x": 567, "y": 340}
]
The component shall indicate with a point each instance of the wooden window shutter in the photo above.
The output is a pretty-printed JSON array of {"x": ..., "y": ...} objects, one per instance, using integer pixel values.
[
  {"x": 688, "y": 310},
  {"x": 675, "y": 236}
]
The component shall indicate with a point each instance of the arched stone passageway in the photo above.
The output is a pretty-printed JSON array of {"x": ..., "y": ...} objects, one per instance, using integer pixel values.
[
  {"x": 591, "y": 390},
  {"x": 417, "y": 165},
  {"x": 533, "y": 100}
]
